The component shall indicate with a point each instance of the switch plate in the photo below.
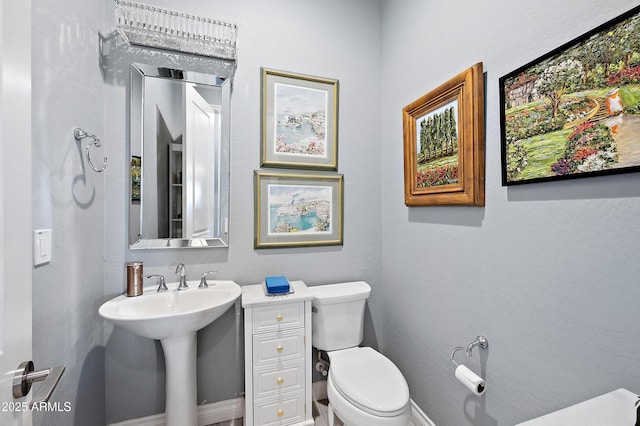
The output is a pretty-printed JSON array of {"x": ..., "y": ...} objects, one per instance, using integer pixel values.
[{"x": 41, "y": 246}]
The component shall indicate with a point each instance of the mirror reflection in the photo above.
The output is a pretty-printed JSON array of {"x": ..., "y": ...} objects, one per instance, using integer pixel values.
[{"x": 179, "y": 153}]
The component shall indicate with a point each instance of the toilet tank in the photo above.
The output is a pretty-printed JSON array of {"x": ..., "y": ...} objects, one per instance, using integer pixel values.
[{"x": 338, "y": 314}]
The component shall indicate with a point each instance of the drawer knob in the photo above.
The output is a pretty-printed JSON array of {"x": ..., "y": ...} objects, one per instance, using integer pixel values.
[
  {"x": 279, "y": 318},
  {"x": 280, "y": 413},
  {"x": 280, "y": 380},
  {"x": 279, "y": 348}
]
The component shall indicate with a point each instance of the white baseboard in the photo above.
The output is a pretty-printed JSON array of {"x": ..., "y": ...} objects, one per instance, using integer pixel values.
[
  {"x": 418, "y": 417},
  {"x": 207, "y": 414},
  {"x": 230, "y": 409}
]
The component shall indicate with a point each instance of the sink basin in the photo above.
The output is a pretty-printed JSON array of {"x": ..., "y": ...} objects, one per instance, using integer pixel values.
[
  {"x": 174, "y": 317},
  {"x": 171, "y": 313}
]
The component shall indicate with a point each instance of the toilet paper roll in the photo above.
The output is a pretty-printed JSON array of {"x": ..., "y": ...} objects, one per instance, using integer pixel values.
[{"x": 470, "y": 380}]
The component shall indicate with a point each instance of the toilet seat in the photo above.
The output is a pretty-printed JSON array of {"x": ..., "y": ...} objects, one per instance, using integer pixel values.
[{"x": 370, "y": 381}]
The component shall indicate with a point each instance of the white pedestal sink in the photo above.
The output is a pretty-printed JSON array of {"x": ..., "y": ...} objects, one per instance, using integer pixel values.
[{"x": 174, "y": 317}]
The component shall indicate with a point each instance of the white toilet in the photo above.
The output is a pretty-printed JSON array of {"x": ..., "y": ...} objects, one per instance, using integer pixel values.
[{"x": 363, "y": 386}]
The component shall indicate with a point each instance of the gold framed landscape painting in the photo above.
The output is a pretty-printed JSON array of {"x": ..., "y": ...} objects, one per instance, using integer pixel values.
[
  {"x": 297, "y": 209},
  {"x": 299, "y": 121},
  {"x": 575, "y": 111},
  {"x": 444, "y": 143}
]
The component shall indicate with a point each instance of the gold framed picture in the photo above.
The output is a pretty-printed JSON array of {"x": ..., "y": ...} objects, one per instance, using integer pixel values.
[
  {"x": 299, "y": 121},
  {"x": 444, "y": 143},
  {"x": 297, "y": 209}
]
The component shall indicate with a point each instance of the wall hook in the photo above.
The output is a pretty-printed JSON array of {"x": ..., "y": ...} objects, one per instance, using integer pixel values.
[{"x": 80, "y": 134}]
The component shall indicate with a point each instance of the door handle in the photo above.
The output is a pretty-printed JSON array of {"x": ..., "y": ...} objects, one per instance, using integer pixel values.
[{"x": 25, "y": 376}]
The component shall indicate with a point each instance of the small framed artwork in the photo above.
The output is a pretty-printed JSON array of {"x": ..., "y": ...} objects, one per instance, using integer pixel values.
[
  {"x": 297, "y": 209},
  {"x": 299, "y": 121},
  {"x": 136, "y": 177},
  {"x": 575, "y": 111},
  {"x": 444, "y": 143}
]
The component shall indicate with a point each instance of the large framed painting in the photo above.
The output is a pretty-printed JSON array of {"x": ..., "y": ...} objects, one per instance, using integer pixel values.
[
  {"x": 297, "y": 209},
  {"x": 299, "y": 121},
  {"x": 575, "y": 112},
  {"x": 444, "y": 143}
]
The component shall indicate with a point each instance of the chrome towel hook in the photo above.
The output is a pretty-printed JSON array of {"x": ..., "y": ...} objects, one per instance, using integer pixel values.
[{"x": 80, "y": 134}]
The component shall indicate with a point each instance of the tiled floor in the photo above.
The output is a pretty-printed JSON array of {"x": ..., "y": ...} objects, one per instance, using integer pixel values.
[{"x": 320, "y": 415}]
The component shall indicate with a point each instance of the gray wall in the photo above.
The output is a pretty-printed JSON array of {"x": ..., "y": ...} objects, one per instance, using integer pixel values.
[
  {"x": 548, "y": 272},
  {"x": 336, "y": 40},
  {"x": 68, "y": 197}
]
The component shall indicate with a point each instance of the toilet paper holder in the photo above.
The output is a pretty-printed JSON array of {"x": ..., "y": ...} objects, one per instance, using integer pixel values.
[{"x": 480, "y": 341}]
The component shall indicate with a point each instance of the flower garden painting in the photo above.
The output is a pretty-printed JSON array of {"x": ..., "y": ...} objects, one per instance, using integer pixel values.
[
  {"x": 437, "y": 150},
  {"x": 576, "y": 111},
  {"x": 300, "y": 120}
]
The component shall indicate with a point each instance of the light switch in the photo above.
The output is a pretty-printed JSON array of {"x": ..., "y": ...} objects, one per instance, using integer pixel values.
[{"x": 41, "y": 246}]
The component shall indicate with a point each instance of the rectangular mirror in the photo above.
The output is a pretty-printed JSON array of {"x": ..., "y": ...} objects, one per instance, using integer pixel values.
[{"x": 179, "y": 158}]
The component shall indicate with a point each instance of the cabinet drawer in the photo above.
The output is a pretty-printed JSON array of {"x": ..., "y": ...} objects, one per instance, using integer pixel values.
[
  {"x": 280, "y": 411},
  {"x": 272, "y": 318},
  {"x": 281, "y": 346},
  {"x": 285, "y": 379}
]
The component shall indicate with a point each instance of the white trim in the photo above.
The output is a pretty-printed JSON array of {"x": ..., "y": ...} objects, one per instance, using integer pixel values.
[
  {"x": 207, "y": 414},
  {"x": 418, "y": 417},
  {"x": 234, "y": 408}
]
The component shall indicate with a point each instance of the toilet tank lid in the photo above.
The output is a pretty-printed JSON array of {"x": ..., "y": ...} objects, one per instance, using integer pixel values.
[{"x": 340, "y": 292}]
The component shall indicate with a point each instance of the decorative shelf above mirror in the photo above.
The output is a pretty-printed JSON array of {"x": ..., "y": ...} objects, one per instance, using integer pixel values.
[{"x": 165, "y": 29}]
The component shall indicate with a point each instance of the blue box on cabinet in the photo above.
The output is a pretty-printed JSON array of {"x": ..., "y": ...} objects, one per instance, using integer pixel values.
[{"x": 277, "y": 284}]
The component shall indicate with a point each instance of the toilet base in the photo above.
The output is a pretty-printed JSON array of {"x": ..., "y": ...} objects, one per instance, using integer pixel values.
[
  {"x": 354, "y": 416},
  {"x": 332, "y": 416}
]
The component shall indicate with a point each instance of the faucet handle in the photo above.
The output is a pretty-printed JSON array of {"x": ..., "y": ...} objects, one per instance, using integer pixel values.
[
  {"x": 203, "y": 279},
  {"x": 162, "y": 286}
]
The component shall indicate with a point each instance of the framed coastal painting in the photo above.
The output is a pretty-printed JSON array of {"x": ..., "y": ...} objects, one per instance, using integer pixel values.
[
  {"x": 575, "y": 112},
  {"x": 299, "y": 121},
  {"x": 444, "y": 143},
  {"x": 297, "y": 209}
]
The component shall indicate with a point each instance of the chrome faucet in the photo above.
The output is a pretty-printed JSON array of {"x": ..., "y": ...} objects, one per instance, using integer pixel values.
[
  {"x": 203, "y": 279},
  {"x": 180, "y": 269},
  {"x": 161, "y": 284}
]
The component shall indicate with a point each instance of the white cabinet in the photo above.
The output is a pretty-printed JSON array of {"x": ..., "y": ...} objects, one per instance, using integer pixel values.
[{"x": 277, "y": 341}]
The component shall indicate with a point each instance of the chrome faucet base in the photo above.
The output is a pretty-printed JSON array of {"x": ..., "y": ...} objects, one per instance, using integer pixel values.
[
  {"x": 180, "y": 269},
  {"x": 162, "y": 286},
  {"x": 203, "y": 279}
]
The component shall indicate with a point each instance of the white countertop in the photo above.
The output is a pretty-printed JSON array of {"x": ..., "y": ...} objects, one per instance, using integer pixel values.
[
  {"x": 618, "y": 407},
  {"x": 254, "y": 295}
]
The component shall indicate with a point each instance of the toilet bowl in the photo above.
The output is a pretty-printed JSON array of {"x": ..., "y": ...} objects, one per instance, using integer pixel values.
[
  {"x": 363, "y": 386},
  {"x": 366, "y": 388}
]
